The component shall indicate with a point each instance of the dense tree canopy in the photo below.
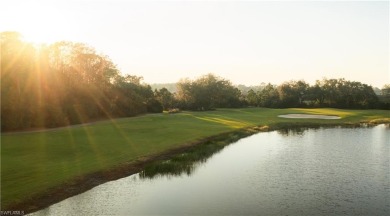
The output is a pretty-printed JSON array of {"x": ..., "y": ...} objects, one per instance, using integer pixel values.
[
  {"x": 206, "y": 93},
  {"x": 292, "y": 94},
  {"x": 345, "y": 94},
  {"x": 384, "y": 97},
  {"x": 166, "y": 98},
  {"x": 386, "y": 90},
  {"x": 64, "y": 83},
  {"x": 67, "y": 83},
  {"x": 338, "y": 93}
]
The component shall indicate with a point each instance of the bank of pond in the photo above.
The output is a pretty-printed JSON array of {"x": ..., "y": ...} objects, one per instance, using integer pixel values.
[{"x": 315, "y": 170}]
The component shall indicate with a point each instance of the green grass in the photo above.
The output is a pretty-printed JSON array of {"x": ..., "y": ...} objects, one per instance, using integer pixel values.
[{"x": 33, "y": 162}]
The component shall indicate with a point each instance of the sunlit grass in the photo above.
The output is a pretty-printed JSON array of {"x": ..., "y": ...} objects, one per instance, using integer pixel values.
[
  {"x": 36, "y": 161},
  {"x": 327, "y": 111},
  {"x": 223, "y": 120}
]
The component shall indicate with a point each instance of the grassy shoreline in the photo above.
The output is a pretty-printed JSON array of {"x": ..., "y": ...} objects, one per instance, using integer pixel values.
[{"x": 44, "y": 167}]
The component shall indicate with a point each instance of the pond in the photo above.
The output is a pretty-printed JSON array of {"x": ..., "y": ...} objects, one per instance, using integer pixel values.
[{"x": 324, "y": 171}]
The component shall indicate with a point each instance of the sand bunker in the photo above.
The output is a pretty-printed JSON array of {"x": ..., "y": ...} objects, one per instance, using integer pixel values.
[{"x": 308, "y": 116}]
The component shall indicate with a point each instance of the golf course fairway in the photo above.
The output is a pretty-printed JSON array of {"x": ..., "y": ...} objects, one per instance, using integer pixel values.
[{"x": 35, "y": 163}]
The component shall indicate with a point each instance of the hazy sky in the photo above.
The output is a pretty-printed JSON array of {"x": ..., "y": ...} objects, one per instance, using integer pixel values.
[{"x": 247, "y": 42}]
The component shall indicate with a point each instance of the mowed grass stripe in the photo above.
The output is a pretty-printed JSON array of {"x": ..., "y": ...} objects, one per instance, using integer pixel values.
[{"x": 34, "y": 162}]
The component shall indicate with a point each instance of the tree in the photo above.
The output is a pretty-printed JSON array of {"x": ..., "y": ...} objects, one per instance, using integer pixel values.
[
  {"x": 291, "y": 94},
  {"x": 384, "y": 98},
  {"x": 315, "y": 95},
  {"x": 341, "y": 93},
  {"x": 252, "y": 98},
  {"x": 386, "y": 90},
  {"x": 165, "y": 97},
  {"x": 131, "y": 97},
  {"x": 83, "y": 80},
  {"x": 269, "y": 96},
  {"x": 64, "y": 83},
  {"x": 206, "y": 93},
  {"x": 18, "y": 82}
]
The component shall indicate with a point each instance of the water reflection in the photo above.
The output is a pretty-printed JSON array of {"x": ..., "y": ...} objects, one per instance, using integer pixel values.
[
  {"x": 299, "y": 131},
  {"x": 184, "y": 163}
]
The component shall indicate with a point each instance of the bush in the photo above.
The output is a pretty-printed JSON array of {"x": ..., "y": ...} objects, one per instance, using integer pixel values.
[{"x": 154, "y": 106}]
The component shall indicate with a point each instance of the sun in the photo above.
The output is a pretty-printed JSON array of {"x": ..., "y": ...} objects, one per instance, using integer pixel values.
[
  {"x": 46, "y": 29},
  {"x": 40, "y": 36},
  {"x": 40, "y": 22}
]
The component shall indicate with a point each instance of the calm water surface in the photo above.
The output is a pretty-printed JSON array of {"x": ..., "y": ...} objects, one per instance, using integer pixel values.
[{"x": 333, "y": 171}]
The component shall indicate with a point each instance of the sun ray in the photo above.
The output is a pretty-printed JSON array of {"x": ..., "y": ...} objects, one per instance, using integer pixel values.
[
  {"x": 92, "y": 143},
  {"x": 114, "y": 123}
]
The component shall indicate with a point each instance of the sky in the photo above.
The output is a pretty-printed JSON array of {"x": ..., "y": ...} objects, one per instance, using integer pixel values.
[{"x": 247, "y": 42}]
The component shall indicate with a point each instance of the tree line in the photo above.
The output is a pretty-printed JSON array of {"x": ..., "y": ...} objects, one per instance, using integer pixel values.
[
  {"x": 65, "y": 83},
  {"x": 337, "y": 93},
  {"x": 68, "y": 83},
  {"x": 209, "y": 92}
]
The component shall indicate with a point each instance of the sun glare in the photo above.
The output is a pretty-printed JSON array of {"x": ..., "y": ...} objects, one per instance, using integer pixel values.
[
  {"x": 39, "y": 25},
  {"x": 45, "y": 36},
  {"x": 39, "y": 37}
]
